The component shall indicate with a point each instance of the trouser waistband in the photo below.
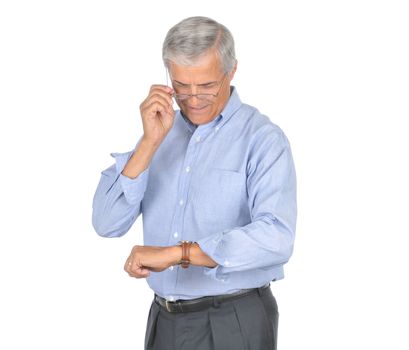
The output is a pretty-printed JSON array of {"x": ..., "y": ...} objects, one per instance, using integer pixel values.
[{"x": 204, "y": 302}]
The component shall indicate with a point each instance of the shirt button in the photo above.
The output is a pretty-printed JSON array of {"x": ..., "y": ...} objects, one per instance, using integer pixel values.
[
  {"x": 175, "y": 234},
  {"x": 217, "y": 128},
  {"x": 226, "y": 262},
  {"x": 187, "y": 169},
  {"x": 198, "y": 138},
  {"x": 171, "y": 268},
  {"x": 181, "y": 202},
  {"x": 171, "y": 298}
]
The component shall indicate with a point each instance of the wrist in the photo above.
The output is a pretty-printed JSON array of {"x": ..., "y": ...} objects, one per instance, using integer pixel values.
[
  {"x": 152, "y": 144},
  {"x": 175, "y": 253},
  {"x": 186, "y": 245}
]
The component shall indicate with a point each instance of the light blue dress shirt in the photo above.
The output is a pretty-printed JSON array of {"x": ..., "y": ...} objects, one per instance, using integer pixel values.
[{"x": 229, "y": 185}]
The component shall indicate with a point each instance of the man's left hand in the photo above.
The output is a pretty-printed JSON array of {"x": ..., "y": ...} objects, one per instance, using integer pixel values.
[{"x": 144, "y": 259}]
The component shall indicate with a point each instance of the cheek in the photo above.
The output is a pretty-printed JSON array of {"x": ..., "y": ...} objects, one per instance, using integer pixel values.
[
  {"x": 217, "y": 104},
  {"x": 180, "y": 104}
]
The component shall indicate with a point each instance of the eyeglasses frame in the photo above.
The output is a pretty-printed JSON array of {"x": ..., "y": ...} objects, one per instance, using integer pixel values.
[{"x": 206, "y": 95}]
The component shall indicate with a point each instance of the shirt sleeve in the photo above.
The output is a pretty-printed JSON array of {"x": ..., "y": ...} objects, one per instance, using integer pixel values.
[
  {"x": 117, "y": 200},
  {"x": 269, "y": 239}
]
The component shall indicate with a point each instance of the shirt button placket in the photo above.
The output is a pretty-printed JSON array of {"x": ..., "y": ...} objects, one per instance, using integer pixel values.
[{"x": 176, "y": 236}]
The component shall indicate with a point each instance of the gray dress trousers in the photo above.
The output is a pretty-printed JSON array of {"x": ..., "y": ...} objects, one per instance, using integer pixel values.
[{"x": 247, "y": 323}]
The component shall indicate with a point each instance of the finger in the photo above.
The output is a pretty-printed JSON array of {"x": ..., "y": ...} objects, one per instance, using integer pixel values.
[
  {"x": 128, "y": 265},
  {"x": 156, "y": 107},
  {"x": 156, "y": 98},
  {"x": 167, "y": 91},
  {"x": 143, "y": 272},
  {"x": 159, "y": 97},
  {"x": 159, "y": 92},
  {"x": 164, "y": 88},
  {"x": 139, "y": 273},
  {"x": 134, "y": 268},
  {"x": 167, "y": 95}
]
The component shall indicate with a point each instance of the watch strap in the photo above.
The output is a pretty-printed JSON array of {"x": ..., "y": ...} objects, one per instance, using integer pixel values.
[{"x": 185, "y": 262}]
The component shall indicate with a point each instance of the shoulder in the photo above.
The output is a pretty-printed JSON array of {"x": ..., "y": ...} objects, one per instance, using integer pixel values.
[{"x": 259, "y": 127}]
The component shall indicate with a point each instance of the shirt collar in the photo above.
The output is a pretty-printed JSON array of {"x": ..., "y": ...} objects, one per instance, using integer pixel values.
[
  {"x": 232, "y": 105},
  {"x": 190, "y": 125}
]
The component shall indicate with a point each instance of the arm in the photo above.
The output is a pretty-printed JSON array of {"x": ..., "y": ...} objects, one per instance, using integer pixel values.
[
  {"x": 144, "y": 259},
  {"x": 117, "y": 200},
  {"x": 268, "y": 240}
]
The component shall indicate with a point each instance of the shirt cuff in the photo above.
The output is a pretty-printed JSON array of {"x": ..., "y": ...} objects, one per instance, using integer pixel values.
[
  {"x": 133, "y": 189},
  {"x": 209, "y": 245}
]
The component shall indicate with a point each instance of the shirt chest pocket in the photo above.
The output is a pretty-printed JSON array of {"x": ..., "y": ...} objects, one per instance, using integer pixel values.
[{"x": 219, "y": 195}]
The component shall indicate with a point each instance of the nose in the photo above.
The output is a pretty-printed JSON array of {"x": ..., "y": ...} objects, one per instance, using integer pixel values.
[{"x": 194, "y": 101}]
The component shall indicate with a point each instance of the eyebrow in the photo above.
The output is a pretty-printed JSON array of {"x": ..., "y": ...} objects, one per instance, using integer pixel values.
[{"x": 203, "y": 84}]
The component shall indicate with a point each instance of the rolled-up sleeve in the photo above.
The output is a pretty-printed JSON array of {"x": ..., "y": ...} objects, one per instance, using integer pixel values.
[
  {"x": 269, "y": 239},
  {"x": 117, "y": 200}
]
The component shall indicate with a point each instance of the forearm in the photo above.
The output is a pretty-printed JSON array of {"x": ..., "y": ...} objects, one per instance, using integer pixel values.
[
  {"x": 117, "y": 199},
  {"x": 115, "y": 208},
  {"x": 263, "y": 243},
  {"x": 140, "y": 159}
]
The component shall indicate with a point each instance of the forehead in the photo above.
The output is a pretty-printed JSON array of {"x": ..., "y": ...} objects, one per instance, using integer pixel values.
[{"x": 206, "y": 69}]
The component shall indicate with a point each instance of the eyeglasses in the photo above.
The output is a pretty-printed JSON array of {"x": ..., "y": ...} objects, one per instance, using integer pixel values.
[{"x": 206, "y": 97}]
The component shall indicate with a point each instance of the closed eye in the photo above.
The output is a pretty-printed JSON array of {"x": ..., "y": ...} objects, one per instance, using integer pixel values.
[
  {"x": 205, "y": 85},
  {"x": 208, "y": 85},
  {"x": 177, "y": 83}
]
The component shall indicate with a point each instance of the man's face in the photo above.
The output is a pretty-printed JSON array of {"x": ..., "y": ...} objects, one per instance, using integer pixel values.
[{"x": 206, "y": 77}]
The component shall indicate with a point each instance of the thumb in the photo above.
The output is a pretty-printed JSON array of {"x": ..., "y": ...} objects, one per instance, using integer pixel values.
[{"x": 145, "y": 271}]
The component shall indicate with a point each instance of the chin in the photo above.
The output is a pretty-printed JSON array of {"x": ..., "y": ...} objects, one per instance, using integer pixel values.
[{"x": 197, "y": 116}]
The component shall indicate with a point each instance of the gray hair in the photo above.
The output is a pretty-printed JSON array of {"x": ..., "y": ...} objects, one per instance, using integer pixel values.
[{"x": 194, "y": 36}]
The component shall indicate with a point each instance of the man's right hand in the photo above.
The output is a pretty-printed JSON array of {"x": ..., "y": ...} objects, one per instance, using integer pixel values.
[{"x": 157, "y": 114}]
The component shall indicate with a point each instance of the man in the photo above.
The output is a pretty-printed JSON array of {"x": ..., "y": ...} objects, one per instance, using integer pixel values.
[{"x": 216, "y": 185}]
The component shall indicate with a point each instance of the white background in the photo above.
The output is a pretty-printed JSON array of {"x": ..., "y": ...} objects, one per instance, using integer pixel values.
[{"x": 332, "y": 74}]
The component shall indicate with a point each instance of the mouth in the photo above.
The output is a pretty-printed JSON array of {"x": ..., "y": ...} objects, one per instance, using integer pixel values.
[{"x": 197, "y": 109}]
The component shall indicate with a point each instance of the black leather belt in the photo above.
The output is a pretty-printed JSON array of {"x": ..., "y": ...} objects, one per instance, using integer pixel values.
[{"x": 204, "y": 302}]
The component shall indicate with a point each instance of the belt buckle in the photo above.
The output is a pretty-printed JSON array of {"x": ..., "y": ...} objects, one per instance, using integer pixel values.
[{"x": 167, "y": 305}]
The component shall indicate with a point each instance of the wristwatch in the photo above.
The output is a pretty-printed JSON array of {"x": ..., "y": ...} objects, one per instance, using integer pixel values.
[{"x": 185, "y": 253}]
